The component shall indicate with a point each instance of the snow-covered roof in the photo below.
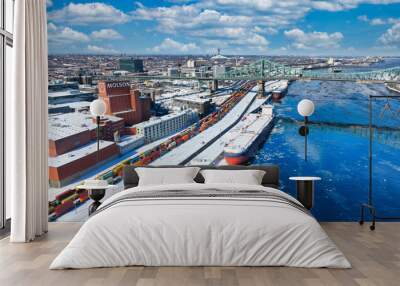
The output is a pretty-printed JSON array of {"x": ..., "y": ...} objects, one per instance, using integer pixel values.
[
  {"x": 158, "y": 120},
  {"x": 68, "y": 124},
  {"x": 218, "y": 57},
  {"x": 193, "y": 98},
  {"x": 78, "y": 153},
  {"x": 78, "y": 104},
  {"x": 129, "y": 139},
  {"x": 68, "y": 92}
]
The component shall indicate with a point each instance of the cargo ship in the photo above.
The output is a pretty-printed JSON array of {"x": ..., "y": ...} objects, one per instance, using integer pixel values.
[
  {"x": 245, "y": 138},
  {"x": 278, "y": 89}
]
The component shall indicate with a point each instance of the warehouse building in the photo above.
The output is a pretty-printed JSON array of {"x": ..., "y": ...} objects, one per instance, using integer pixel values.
[
  {"x": 69, "y": 95},
  {"x": 72, "y": 130},
  {"x": 166, "y": 125},
  {"x": 68, "y": 167},
  {"x": 124, "y": 102},
  {"x": 129, "y": 143},
  {"x": 201, "y": 105}
]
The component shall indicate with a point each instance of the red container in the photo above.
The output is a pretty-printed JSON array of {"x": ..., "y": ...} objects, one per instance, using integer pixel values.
[{"x": 64, "y": 208}]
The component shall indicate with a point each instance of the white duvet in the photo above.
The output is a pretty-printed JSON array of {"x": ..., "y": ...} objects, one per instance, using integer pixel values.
[{"x": 200, "y": 231}]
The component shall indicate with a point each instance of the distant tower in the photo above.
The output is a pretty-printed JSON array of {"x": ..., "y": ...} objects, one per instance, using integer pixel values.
[
  {"x": 131, "y": 65},
  {"x": 218, "y": 51}
]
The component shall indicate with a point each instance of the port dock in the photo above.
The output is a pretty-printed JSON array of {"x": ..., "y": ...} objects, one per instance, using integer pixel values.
[
  {"x": 212, "y": 155},
  {"x": 184, "y": 153}
]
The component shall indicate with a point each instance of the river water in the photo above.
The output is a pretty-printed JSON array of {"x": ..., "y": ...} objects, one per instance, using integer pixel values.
[{"x": 338, "y": 146}]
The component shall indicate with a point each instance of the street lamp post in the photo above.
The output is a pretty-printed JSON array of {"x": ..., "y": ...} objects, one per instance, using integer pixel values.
[
  {"x": 306, "y": 109},
  {"x": 98, "y": 109}
]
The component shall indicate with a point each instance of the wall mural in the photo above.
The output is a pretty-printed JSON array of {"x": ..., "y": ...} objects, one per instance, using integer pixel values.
[{"x": 192, "y": 107}]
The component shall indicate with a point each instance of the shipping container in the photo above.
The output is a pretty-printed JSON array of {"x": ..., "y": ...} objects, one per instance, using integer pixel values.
[
  {"x": 63, "y": 208},
  {"x": 70, "y": 198},
  {"x": 65, "y": 194}
]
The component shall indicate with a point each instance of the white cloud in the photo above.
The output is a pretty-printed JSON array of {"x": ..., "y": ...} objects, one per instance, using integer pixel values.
[
  {"x": 340, "y": 5},
  {"x": 392, "y": 36},
  {"x": 203, "y": 21},
  {"x": 106, "y": 34},
  {"x": 49, "y": 3},
  {"x": 313, "y": 40},
  {"x": 60, "y": 37},
  {"x": 253, "y": 42},
  {"x": 363, "y": 18},
  {"x": 393, "y": 20},
  {"x": 327, "y": 6},
  {"x": 250, "y": 21},
  {"x": 188, "y": 17},
  {"x": 301, "y": 5},
  {"x": 255, "y": 4},
  {"x": 100, "y": 50},
  {"x": 89, "y": 13},
  {"x": 378, "y": 21},
  {"x": 65, "y": 35},
  {"x": 171, "y": 46},
  {"x": 231, "y": 24},
  {"x": 51, "y": 27},
  {"x": 265, "y": 30}
]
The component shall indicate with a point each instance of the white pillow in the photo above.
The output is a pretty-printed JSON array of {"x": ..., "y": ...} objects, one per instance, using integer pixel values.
[
  {"x": 166, "y": 176},
  {"x": 248, "y": 177}
]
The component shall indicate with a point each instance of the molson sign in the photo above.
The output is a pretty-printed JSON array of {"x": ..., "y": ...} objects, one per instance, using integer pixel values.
[
  {"x": 114, "y": 87},
  {"x": 117, "y": 84}
]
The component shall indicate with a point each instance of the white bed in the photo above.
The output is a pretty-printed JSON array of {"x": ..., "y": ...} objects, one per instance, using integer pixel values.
[{"x": 207, "y": 230}]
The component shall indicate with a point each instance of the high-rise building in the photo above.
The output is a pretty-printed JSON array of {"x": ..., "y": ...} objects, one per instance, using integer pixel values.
[
  {"x": 131, "y": 65},
  {"x": 124, "y": 102},
  {"x": 191, "y": 64},
  {"x": 173, "y": 72}
]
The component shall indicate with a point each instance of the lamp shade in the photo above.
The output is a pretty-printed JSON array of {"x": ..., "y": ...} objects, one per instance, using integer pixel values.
[
  {"x": 98, "y": 107},
  {"x": 306, "y": 107}
]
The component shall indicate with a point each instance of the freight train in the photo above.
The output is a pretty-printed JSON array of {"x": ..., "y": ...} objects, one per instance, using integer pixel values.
[{"x": 69, "y": 199}]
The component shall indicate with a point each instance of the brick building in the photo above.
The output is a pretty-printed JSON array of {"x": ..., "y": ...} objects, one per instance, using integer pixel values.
[
  {"x": 69, "y": 166},
  {"x": 73, "y": 146},
  {"x": 72, "y": 130},
  {"x": 124, "y": 102}
]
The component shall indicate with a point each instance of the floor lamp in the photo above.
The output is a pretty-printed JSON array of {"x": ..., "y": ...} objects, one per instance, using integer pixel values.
[
  {"x": 98, "y": 109},
  {"x": 305, "y": 108},
  {"x": 370, "y": 205}
]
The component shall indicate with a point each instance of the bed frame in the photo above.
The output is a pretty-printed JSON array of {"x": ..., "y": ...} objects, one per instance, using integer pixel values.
[{"x": 271, "y": 177}]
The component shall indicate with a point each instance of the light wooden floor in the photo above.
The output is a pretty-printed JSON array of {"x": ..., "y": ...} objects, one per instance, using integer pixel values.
[{"x": 375, "y": 257}]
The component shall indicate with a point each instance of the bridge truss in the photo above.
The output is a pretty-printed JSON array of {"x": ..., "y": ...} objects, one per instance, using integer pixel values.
[{"x": 267, "y": 70}]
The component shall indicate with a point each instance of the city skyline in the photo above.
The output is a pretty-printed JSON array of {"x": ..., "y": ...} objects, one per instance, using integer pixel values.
[{"x": 237, "y": 27}]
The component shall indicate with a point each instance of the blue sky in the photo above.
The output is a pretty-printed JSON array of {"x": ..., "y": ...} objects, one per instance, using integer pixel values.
[{"x": 257, "y": 27}]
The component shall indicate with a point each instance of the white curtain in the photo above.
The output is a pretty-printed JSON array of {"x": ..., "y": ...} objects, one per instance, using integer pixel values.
[{"x": 26, "y": 120}]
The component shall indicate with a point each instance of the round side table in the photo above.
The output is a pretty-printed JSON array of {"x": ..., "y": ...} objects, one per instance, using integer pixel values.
[
  {"x": 96, "y": 193},
  {"x": 305, "y": 190}
]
